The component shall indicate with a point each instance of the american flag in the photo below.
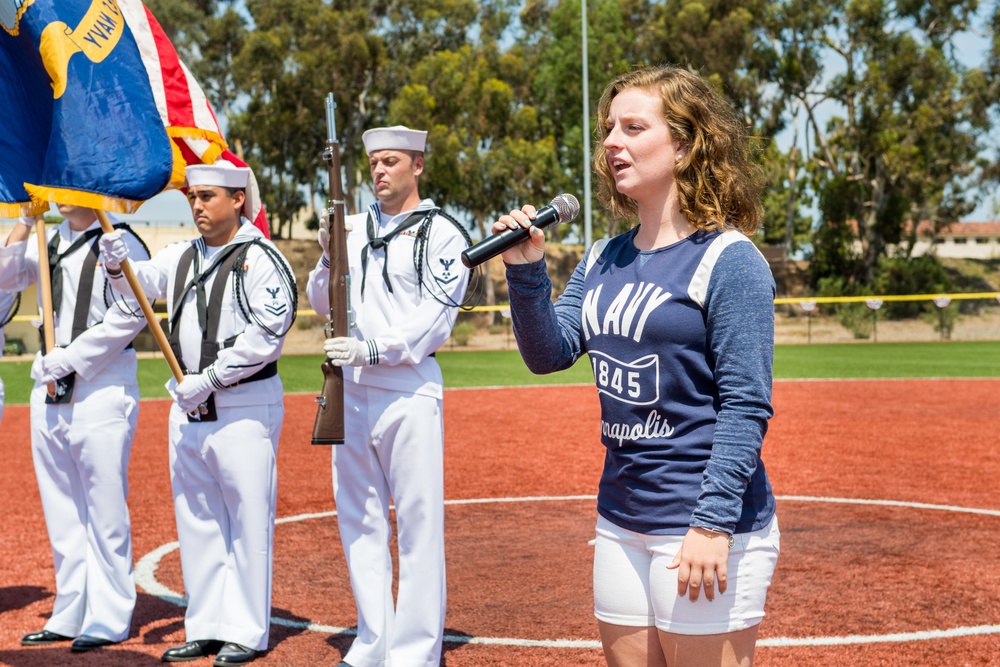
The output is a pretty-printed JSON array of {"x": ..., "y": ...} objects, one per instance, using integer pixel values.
[
  {"x": 184, "y": 108},
  {"x": 98, "y": 109}
]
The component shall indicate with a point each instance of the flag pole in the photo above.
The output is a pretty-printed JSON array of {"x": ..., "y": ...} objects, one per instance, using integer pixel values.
[
  {"x": 45, "y": 285},
  {"x": 45, "y": 288},
  {"x": 587, "y": 136},
  {"x": 147, "y": 310}
]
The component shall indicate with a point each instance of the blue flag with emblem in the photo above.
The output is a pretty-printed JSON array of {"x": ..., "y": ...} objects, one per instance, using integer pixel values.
[{"x": 81, "y": 124}]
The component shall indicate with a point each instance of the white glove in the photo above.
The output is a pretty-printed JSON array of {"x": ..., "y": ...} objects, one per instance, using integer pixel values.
[
  {"x": 190, "y": 392},
  {"x": 323, "y": 236},
  {"x": 114, "y": 249},
  {"x": 351, "y": 352},
  {"x": 27, "y": 222},
  {"x": 55, "y": 366}
]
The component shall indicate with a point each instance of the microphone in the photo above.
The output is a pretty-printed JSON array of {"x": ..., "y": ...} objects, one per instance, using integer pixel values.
[{"x": 562, "y": 209}]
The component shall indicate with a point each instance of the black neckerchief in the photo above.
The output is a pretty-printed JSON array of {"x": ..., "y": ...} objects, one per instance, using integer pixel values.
[
  {"x": 55, "y": 259},
  {"x": 376, "y": 242}
]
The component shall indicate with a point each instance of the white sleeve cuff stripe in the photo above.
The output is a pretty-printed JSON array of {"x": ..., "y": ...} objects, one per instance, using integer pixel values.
[{"x": 213, "y": 378}]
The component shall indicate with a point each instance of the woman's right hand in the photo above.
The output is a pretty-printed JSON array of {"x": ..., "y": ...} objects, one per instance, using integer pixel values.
[{"x": 529, "y": 251}]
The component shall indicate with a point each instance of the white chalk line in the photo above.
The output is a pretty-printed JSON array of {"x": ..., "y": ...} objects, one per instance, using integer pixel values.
[{"x": 145, "y": 577}]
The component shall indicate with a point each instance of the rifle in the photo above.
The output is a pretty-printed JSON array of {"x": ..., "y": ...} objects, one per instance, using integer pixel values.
[{"x": 329, "y": 426}]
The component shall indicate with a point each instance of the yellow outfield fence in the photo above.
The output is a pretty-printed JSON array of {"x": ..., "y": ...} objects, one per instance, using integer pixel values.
[
  {"x": 798, "y": 300},
  {"x": 806, "y": 301},
  {"x": 795, "y": 324}
]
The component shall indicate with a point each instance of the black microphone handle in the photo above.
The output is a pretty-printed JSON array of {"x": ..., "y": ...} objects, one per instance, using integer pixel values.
[{"x": 494, "y": 245}]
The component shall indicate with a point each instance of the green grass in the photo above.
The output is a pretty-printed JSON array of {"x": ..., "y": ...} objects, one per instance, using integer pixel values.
[
  {"x": 505, "y": 368},
  {"x": 979, "y": 359},
  {"x": 461, "y": 369}
]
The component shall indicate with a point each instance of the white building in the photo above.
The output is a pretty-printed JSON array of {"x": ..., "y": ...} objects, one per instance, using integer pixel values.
[
  {"x": 963, "y": 240},
  {"x": 959, "y": 240}
]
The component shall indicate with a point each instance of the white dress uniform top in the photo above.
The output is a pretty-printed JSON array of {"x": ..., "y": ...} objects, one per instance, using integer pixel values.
[
  {"x": 394, "y": 434},
  {"x": 224, "y": 472},
  {"x": 81, "y": 448}
]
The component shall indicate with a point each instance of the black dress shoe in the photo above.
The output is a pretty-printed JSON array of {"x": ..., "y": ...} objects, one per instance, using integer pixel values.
[
  {"x": 42, "y": 638},
  {"x": 234, "y": 654},
  {"x": 199, "y": 648},
  {"x": 85, "y": 643}
]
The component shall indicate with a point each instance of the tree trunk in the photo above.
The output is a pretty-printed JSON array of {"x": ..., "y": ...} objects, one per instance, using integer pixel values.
[
  {"x": 913, "y": 234},
  {"x": 873, "y": 242},
  {"x": 790, "y": 211},
  {"x": 355, "y": 127}
]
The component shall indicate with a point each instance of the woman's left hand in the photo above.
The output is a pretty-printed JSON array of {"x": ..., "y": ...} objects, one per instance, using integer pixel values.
[{"x": 702, "y": 561}]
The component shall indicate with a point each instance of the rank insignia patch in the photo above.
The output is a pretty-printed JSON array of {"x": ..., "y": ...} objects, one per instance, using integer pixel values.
[
  {"x": 275, "y": 306},
  {"x": 446, "y": 274}
]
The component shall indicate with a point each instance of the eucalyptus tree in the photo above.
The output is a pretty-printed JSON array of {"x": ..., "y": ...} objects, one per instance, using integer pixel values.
[
  {"x": 381, "y": 42},
  {"x": 894, "y": 119},
  {"x": 785, "y": 198},
  {"x": 552, "y": 46},
  {"x": 723, "y": 41},
  {"x": 488, "y": 151},
  {"x": 277, "y": 127},
  {"x": 991, "y": 175}
]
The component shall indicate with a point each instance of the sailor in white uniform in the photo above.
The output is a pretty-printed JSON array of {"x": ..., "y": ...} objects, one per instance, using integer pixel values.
[
  {"x": 81, "y": 438},
  {"x": 231, "y": 300},
  {"x": 406, "y": 284}
]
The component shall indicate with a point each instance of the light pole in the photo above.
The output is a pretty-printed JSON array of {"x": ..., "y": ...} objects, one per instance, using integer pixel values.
[{"x": 587, "y": 233}]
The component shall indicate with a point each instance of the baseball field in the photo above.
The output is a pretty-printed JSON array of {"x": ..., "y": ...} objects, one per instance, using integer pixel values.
[{"x": 885, "y": 459}]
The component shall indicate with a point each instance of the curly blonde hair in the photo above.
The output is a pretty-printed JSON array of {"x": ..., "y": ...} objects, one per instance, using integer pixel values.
[{"x": 718, "y": 183}]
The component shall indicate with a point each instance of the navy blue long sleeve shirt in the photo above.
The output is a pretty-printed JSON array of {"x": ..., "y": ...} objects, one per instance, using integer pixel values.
[{"x": 681, "y": 343}]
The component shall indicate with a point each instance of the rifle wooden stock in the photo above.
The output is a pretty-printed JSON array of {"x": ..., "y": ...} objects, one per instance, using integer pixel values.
[{"x": 329, "y": 426}]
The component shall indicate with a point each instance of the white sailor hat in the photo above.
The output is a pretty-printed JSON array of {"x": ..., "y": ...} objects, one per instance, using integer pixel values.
[
  {"x": 397, "y": 137},
  {"x": 222, "y": 173}
]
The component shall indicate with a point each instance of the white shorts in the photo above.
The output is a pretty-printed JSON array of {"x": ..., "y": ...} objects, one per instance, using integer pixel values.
[{"x": 633, "y": 587}]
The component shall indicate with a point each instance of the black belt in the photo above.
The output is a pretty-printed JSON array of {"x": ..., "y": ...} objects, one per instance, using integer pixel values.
[{"x": 269, "y": 370}]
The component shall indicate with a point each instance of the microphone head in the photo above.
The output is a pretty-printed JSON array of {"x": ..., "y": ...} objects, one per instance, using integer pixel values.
[{"x": 566, "y": 206}]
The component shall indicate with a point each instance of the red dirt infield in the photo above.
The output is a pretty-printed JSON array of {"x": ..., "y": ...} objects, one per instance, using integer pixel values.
[{"x": 910, "y": 578}]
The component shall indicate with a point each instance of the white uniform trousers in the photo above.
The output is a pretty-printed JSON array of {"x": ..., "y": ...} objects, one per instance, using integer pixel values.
[
  {"x": 81, "y": 452},
  {"x": 225, "y": 483},
  {"x": 394, "y": 448}
]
